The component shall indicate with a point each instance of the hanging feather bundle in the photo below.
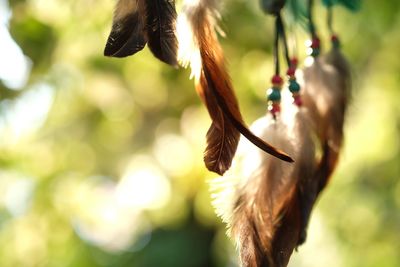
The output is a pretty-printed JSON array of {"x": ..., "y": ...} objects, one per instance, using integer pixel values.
[
  {"x": 260, "y": 198},
  {"x": 330, "y": 100},
  {"x": 137, "y": 22},
  {"x": 199, "y": 47},
  {"x": 325, "y": 96},
  {"x": 331, "y": 146}
]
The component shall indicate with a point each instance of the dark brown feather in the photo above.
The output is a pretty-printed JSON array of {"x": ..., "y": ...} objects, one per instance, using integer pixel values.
[
  {"x": 161, "y": 20},
  {"x": 222, "y": 137},
  {"x": 128, "y": 31}
]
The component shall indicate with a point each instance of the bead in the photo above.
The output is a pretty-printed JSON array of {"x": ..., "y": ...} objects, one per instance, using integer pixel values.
[
  {"x": 273, "y": 94},
  {"x": 315, "y": 52},
  {"x": 293, "y": 62},
  {"x": 291, "y": 71},
  {"x": 274, "y": 108},
  {"x": 335, "y": 41},
  {"x": 315, "y": 43},
  {"x": 277, "y": 80},
  {"x": 294, "y": 86},
  {"x": 297, "y": 101}
]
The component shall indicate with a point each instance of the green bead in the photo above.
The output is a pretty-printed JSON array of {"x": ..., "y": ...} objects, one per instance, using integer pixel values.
[
  {"x": 336, "y": 44},
  {"x": 273, "y": 94},
  {"x": 315, "y": 52},
  {"x": 294, "y": 87}
]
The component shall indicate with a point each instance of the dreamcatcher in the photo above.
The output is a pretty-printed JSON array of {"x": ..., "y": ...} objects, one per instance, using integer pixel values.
[{"x": 265, "y": 198}]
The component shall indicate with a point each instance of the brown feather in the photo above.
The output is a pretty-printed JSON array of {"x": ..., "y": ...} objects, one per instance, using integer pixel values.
[
  {"x": 205, "y": 55},
  {"x": 222, "y": 137},
  {"x": 330, "y": 154},
  {"x": 326, "y": 94},
  {"x": 263, "y": 210}
]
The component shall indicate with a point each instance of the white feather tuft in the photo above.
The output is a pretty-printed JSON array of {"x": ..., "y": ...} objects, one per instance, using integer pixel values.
[{"x": 194, "y": 13}]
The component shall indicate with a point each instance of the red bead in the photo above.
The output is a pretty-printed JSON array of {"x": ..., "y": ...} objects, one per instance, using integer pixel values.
[
  {"x": 291, "y": 71},
  {"x": 277, "y": 80},
  {"x": 293, "y": 62},
  {"x": 315, "y": 43},
  {"x": 297, "y": 101},
  {"x": 276, "y": 107}
]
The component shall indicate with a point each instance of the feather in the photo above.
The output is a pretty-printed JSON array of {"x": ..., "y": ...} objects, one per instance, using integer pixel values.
[
  {"x": 336, "y": 59},
  {"x": 128, "y": 31},
  {"x": 330, "y": 154},
  {"x": 222, "y": 136},
  {"x": 325, "y": 95},
  {"x": 325, "y": 98},
  {"x": 258, "y": 198},
  {"x": 199, "y": 47},
  {"x": 161, "y": 19}
]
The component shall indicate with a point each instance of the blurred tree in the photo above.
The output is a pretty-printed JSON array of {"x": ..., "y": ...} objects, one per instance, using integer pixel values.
[{"x": 101, "y": 159}]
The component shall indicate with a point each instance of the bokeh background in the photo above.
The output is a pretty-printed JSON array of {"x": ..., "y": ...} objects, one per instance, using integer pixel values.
[{"x": 101, "y": 159}]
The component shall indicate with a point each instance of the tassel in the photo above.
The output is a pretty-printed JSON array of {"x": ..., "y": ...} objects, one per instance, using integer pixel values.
[
  {"x": 128, "y": 31},
  {"x": 259, "y": 198},
  {"x": 199, "y": 47},
  {"x": 137, "y": 22}
]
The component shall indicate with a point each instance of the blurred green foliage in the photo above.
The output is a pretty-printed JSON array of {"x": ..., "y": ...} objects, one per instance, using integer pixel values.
[{"x": 101, "y": 159}]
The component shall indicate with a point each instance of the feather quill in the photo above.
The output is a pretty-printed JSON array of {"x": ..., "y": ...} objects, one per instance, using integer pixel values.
[
  {"x": 259, "y": 198},
  {"x": 199, "y": 47}
]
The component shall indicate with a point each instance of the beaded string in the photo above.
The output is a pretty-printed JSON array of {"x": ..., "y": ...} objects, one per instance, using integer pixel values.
[
  {"x": 334, "y": 38},
  {"x": 294, "y": 86},
  {"x": 274, "y": 93},
  {"x": 315, "y": 45}
]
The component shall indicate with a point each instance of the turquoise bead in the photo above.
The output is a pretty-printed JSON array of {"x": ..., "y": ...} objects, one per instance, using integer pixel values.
[
  {"x": 294, "y": 87},
  {"x": 315, "y": 52},
  {"x": 336, "y": 44},
  {"x": 273, "y": 94}
]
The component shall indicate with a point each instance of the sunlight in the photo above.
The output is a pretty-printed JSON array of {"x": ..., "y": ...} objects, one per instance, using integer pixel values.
[
  {"x": 143, "y": 186},
  {"x": 15, "y": 67},
  {"x": 25, "y": 115}
]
